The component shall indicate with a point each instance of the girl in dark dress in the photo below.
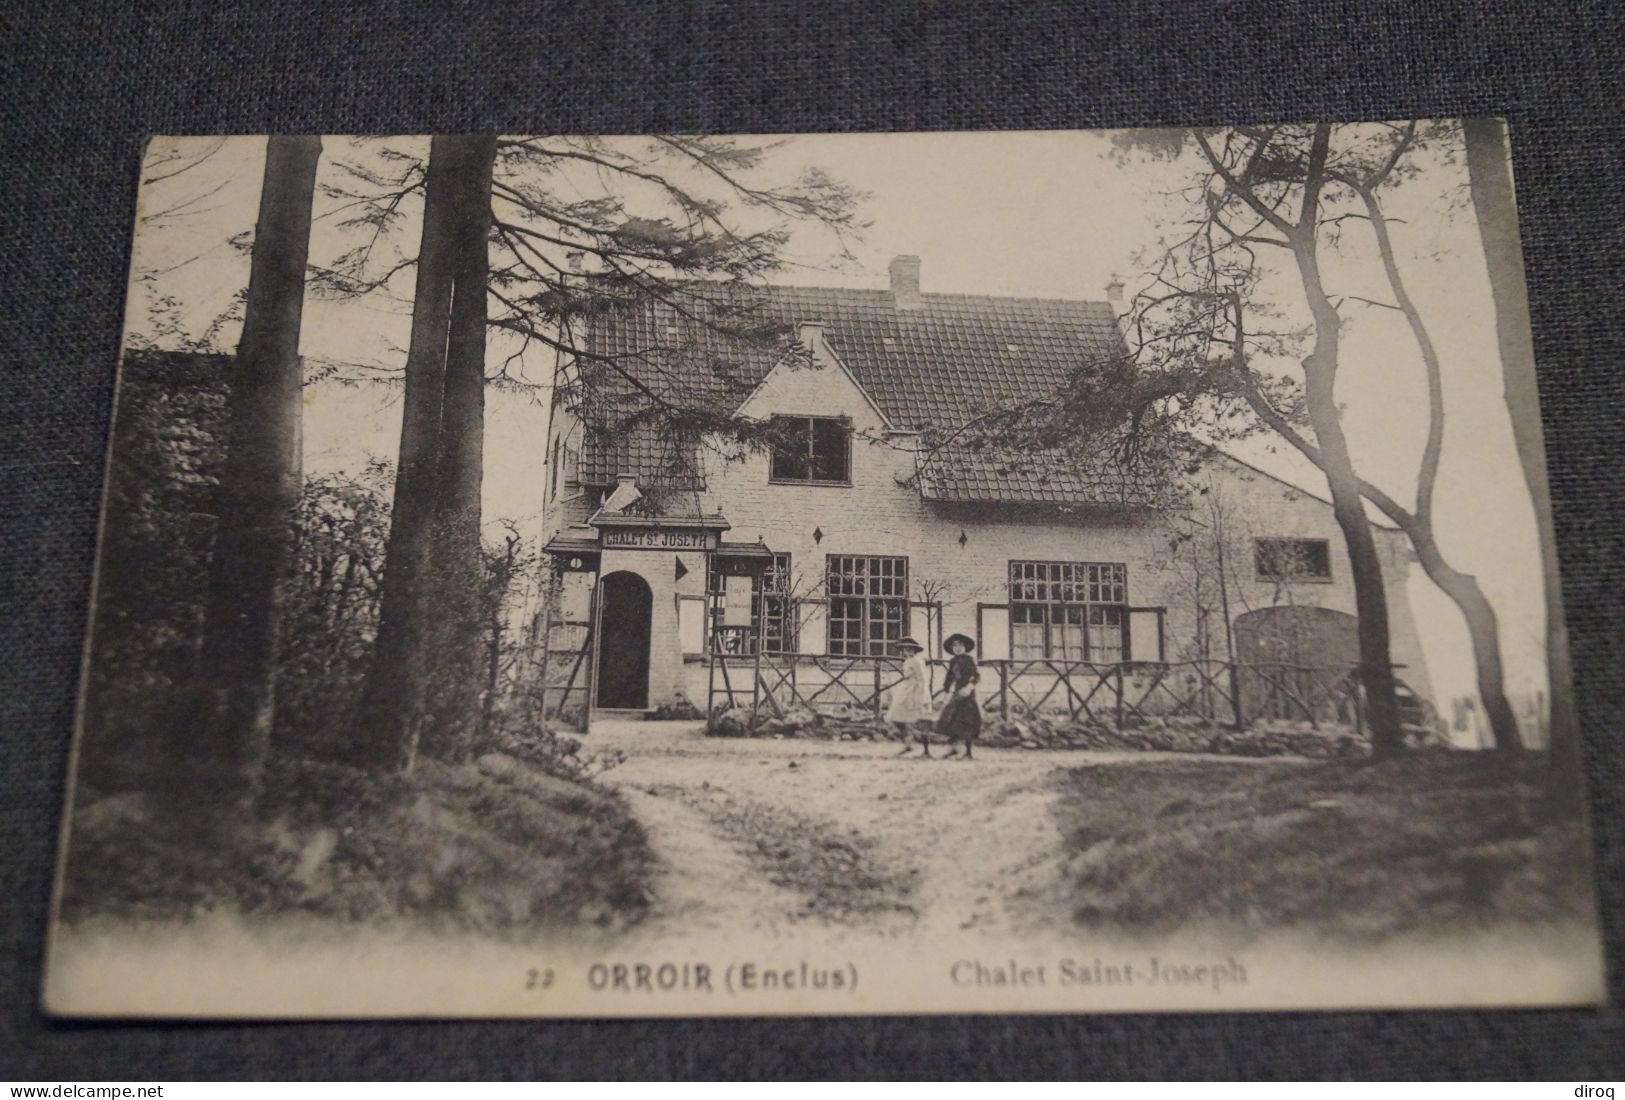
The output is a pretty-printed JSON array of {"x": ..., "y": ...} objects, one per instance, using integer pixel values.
[{"x": 961, "y": 719}]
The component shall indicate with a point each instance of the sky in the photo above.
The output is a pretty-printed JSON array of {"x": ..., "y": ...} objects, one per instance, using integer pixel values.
[{"x": 1050, "y": 214}]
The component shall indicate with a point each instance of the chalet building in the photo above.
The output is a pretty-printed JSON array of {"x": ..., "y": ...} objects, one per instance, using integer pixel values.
[{"x": 846, "y": 537}]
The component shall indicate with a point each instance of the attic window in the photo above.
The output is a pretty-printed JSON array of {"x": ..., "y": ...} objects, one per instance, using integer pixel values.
[
  {"x": 813, "y": 450},
  {"x": 888, "y": 341},
  {"x": 1012, "y": 347}
]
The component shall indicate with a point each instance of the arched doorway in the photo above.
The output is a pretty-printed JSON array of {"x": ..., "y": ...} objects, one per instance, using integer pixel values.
[{"x": 623, "y": 642}]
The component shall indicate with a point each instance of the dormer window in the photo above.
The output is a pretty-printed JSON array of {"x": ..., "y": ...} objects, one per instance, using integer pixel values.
[{"x": 812, "y": 450}]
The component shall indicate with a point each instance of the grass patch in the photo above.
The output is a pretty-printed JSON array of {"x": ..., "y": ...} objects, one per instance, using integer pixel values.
[
  {"x": 1430, "y": 843},
  {"x": 498, "y": 847}
]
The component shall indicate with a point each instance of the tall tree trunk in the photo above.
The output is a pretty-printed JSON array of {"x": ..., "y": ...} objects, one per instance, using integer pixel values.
[
  {"x": 1483, "y": 631},
  {"x": 390, "y": 720},
  {"x": 1489, "y": 173},
  {"x": 258, "y": 491},
  {"x": 1365, "y": 567},
  {"x": 1482, "y": 626},
  {"x": 1320, "y": 379},
  {"x": 458, "y": 567}
]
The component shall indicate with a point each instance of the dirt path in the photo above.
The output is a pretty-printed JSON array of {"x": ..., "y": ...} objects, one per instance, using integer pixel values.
[{"x": 767, "y": 834}]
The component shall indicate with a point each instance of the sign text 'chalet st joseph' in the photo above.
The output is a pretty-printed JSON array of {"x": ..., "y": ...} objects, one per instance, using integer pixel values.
[{"x": 660, "y": 538}]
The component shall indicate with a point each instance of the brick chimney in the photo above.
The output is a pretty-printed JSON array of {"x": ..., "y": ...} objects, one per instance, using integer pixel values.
[
  {"x": 1114, "y": 298},
  {"x": 905, "y": 282},
  {"x": 626, "y": 492}
]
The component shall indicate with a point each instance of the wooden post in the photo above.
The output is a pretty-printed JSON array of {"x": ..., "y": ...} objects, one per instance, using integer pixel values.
[
  {"x": 710, "y": 684},
  {"x": 877, "y": 689},
  {"x": 1120, "y": 695},
  {"x": 547, "y": 645},
  {"x": 756, "y": 652},
  {"x": 720, "y": 660},
  {"x": 755, "y": 686},
  {"x": 589, "y": 690},
  {"x": 1235, "y": 695},
  {"x": 1004, "y": 691}
]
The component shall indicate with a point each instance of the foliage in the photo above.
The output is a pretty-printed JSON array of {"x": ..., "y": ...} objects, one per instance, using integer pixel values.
[
  {"x": 166, "y": 457},
  {"x": 1294, "y": 190},
  {"x": 153, "y": 559},
  {"x": 331, "y": 622},
  {"x": 534, "y": 845},
  {"x": 330, "y": 606},
  {"x": 679, "y": 227},
  {"x": 1213, "y": 342}
]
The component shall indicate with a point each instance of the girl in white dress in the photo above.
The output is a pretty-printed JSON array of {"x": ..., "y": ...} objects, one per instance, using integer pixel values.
[{"x": 911, "y": 698}]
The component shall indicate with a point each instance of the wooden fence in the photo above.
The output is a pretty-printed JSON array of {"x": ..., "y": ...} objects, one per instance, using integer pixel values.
[{"x": 1129, "y": 693}]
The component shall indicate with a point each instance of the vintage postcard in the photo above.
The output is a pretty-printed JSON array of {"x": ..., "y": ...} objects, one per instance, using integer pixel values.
[{"x": 845, "y": 573}]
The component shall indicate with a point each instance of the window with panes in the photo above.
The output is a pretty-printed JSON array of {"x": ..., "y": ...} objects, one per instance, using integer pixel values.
[
  {"x": 812, "y": 449},
  {"x": 1293, "y": 559},
  {"x": 1073, "y": 611},
  {"x": 868, "y": 604}
]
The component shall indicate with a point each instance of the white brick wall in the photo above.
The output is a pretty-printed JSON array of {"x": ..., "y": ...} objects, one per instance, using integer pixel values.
[{"x": 564, "y": 505}]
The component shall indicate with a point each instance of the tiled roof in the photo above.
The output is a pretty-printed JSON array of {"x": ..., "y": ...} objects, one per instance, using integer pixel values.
[
  {"x": 937, "y": 364},
  {"x": 954, "y": 357},
  {"x": 644, "y": 450},
  {"x": 988, "y": 477},
  {"x": 639, "y": 357}
]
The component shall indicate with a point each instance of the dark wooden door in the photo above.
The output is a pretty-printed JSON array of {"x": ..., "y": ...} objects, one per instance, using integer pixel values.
[{"x": 623, "y": 642}]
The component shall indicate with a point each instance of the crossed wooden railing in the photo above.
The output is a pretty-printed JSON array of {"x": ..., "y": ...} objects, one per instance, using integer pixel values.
[{"x": 1225, "y": 693}]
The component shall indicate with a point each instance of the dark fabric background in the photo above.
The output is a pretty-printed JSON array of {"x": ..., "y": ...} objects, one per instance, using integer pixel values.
[{"x": 85, "y": 82}]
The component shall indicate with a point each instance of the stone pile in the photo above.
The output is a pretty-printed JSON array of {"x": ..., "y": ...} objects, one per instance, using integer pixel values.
[
  {"x": 834, "y": 724},
  {"x": 1037, "y": 732}
]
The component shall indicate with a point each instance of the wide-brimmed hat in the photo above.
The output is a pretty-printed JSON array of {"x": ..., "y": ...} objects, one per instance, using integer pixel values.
[
  {"x": 901, "y": 642},
  {"x": 970, "y": 643}
]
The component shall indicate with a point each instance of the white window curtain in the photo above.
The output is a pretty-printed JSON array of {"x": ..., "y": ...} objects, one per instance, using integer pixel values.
[
  {"x": 691, "y": 623},
  {"x": 1145, "y": 634},
  {"x": 812, "y": 628}
]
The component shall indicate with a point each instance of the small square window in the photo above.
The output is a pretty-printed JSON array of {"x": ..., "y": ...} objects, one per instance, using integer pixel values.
[{"x": 1293, "y": 559}]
